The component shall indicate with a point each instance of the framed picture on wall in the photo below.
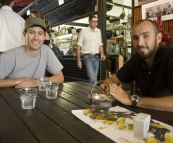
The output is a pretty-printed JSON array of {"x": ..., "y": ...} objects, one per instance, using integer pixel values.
[
  {"x": 141, "y": 2},
  {"x": 163, "y": 7}
]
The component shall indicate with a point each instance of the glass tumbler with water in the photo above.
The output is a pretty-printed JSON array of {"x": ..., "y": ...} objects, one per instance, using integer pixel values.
[
  {"x": 42, "y": 83},
  {"x": 52, "y": 90},
  {"x": 28, "y": 97}
]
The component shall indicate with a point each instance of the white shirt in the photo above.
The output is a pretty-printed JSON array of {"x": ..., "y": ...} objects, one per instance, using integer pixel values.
[
  {"x": 90, "y": 40},
  {"x": 11, "y": 29}
]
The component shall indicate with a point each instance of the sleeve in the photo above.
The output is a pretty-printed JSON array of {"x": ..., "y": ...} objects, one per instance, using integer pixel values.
[
  {"x": 7, "y": 63},
  {"x": 53, "y": 64},
  {"x": 80, "y": 39},
  {"x": 101, "y": 43}
]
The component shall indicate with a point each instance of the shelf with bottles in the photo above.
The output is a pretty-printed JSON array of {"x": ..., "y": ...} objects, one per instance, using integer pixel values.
[
  {"x": 121, "y": 37},
  {"x": 64, "y": 30},
  {"x": 65, "y": 36},
  {"x": 124, "y": 26},
  {"x": 65, "y": 41},
  {"x": 112, "y": 47},
  {"x": 117, "y": 28}
]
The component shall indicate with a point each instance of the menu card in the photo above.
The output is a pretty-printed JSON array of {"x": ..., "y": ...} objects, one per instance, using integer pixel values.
[{"x": 119, "y": 127}]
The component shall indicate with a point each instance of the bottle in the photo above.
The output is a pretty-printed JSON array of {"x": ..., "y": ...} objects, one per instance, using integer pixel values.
[
  {"x": 59, "y": 31},
  {"x": 117, "y": 48},
  {"x": 114, "y": 47}
]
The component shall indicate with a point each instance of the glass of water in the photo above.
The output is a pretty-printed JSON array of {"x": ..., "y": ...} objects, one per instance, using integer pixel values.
[
  {"x": 28, "y": 97},
  {"x": 52, "y": 90},
  {"x": 42, "y": 83}
]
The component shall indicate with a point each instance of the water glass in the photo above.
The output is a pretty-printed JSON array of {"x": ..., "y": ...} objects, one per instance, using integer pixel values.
[
  {"x": 52, "y": 90},
  {"x": 42, "y": 83},
  {"x": 28, "y": 97}
]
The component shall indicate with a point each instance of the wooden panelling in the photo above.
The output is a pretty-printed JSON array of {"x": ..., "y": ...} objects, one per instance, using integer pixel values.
[{"x": 137, "y": 13}]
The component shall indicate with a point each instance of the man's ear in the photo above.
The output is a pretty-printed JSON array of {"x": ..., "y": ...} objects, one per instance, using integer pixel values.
[
  {"x": 159, "y": 37},
  {"x": 24, "y": 34},
  {"x": 12, "y": 4}
]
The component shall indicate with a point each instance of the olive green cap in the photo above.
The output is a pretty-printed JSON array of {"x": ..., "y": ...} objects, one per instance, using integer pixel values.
[{"x": 33, "y": 21}]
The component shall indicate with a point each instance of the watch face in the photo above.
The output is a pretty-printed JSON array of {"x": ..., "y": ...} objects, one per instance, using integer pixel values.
[{"x": 135, "y": 97}]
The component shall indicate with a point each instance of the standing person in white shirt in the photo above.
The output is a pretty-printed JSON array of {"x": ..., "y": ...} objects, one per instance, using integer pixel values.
[
  {"x": 12, "y": 26},
  {"x": 90, "y": 45}
]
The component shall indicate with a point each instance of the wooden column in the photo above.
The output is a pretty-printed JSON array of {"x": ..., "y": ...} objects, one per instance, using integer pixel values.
[{"x": 102, "y": 27}]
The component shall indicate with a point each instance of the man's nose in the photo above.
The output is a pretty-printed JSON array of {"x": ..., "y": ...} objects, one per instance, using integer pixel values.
[
  {"x": 35, "y": 36},
  {"x": 140, "y": 41}
]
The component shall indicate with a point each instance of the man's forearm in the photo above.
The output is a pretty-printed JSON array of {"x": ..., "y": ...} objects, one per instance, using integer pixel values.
[
  {"x": 113, "y": 79},
  {"x": 59, "y": 77},
  {"x": 101, "y": 50},
  {"x": 161, "y": 103},
  {"x": 78, "y": 53},
  {"x": 9, "y": 82}
]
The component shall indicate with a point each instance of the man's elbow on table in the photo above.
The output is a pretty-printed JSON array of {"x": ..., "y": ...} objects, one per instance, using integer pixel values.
[
  {"x": 58, "y": 77},
  {"x": 61, "y": 77}
]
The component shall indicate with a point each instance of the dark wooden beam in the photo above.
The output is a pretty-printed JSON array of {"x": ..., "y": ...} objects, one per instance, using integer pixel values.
[
  {"x": 76, "y": 24},
  {"x": 102, "y": 26},
  {"x": 120, "y": 5}
]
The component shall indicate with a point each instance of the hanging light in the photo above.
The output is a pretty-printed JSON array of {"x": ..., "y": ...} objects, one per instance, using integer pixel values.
[{"x": 123, "y": 14}]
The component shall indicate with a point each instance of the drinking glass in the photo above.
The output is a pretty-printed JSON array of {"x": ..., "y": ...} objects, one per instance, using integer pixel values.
[
  {"x": 42, "y": 83},
  {"x": 51, "y": 90},
  {"x": 28, "y": 97}
]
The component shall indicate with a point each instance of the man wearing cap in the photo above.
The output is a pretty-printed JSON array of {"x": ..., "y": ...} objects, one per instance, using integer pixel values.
[{"x": 23, "y": 66}]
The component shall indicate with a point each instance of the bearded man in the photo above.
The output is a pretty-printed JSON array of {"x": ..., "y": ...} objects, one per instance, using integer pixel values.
[{"x": 151, "y": 67}]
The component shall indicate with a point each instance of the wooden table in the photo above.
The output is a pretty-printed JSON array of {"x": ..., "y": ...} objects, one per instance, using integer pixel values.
[{"x": 52, "y": 121}]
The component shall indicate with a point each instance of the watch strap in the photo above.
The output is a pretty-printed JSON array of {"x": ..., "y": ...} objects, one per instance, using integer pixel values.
[{"x": 134, "y": 103}]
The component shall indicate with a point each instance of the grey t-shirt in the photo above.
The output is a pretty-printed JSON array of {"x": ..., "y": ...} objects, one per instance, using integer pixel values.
[{"x": 15, "y": 63}]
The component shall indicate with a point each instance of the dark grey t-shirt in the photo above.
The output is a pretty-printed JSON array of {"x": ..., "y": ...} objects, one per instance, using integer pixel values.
[{"x": 15, "y": 63}]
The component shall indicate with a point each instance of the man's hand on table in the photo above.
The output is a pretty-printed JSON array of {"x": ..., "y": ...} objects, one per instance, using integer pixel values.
[
  {"x": 27, "y": 82},
  {"x": 117, "y": 92}
]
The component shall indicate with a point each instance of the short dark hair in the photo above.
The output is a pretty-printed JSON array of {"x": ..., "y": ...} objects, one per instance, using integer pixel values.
[
  {"x": 155, "y": 25},
  {"x": 91, "y": 17},
  {"x": 6, "y": 2}
]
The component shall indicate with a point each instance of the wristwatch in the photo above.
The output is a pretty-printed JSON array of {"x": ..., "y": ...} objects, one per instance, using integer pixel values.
[{"x": 135, "y": 99}]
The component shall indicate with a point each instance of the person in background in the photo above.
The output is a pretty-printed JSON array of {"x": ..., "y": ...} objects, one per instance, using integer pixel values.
[
  {"x": 164, "y": 11},
  {"x": 151, "y": 67},
  {"x": 48, "y": 33},
  {"x": 119, "y": 37},
  {"x": 0, "y": 5},
  {"x": 23, "y": 66},
  {"x": 169, "y": 9},
  {"x": 12, "y": 26},
  {"x": 90, "y": 43},
  {"x": 158, "y": 10},
  {"x": 150, "y": 14},
  {"x": 146, "y": 13}
]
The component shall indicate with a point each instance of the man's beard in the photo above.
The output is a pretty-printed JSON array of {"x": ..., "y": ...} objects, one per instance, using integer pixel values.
[{"x": 151, "y": 52}]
